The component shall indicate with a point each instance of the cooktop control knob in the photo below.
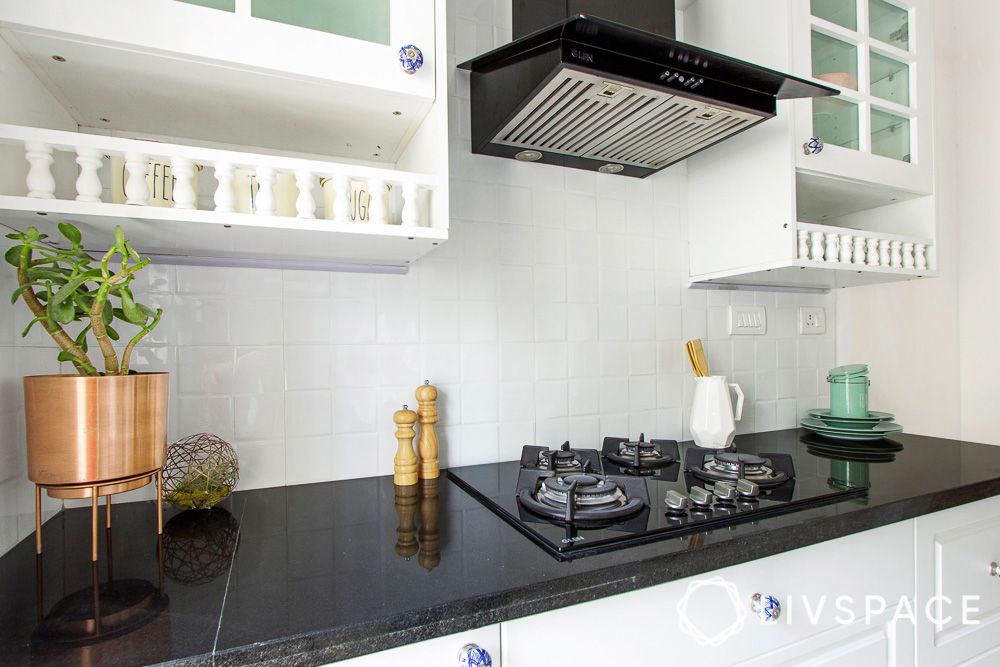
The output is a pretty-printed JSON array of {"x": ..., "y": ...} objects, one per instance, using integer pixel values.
[
  {"x": 747, "y": 489},
  {"x": 677, "y": 502},
  {"x": 724, "y": 492},
  {"x": 700, "y": 497},
  {"x": 471, "y": 655}
]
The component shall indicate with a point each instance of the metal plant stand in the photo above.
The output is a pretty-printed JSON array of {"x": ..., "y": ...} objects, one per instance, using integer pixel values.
[{"x": 95, "y": 493}]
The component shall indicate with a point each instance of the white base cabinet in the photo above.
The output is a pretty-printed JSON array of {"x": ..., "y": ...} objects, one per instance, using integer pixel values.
[
  {"x": 720, "y": 628},
  {"x": 956, "y": 549}
]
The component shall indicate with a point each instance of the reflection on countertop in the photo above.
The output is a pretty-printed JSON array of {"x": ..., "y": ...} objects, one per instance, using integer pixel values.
[{"x": 425, "y": 540}]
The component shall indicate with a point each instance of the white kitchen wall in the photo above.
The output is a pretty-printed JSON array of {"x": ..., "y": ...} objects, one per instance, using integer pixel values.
[{"x": 556, "y": 311}]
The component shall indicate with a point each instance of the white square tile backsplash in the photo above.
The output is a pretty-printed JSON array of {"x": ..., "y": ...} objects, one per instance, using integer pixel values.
[{"x": 556, "y": 311}]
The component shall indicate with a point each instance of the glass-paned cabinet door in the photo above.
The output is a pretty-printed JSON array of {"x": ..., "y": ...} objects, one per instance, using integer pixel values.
[
  {"x": 367, "y": 20},
  {"x": 224, "y": 5},
  {"x": 890, "y": 135},
  {"x": 842, "y": 12},
  {"x": 889, "y": 23},
  {"x": 890, "y": 78},
  {"x": 878, "y": 55},
  {"x": 837, "y": 122},
  {"x": 834, "y": 60}
]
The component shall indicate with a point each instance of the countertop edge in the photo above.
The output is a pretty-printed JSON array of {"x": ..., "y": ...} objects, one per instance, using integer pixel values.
[{"x": 325, "y": 646}]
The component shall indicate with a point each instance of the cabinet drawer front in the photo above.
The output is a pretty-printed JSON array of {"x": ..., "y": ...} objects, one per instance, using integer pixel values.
[
  {"x": 439, "y": 652},
  {"x": 955, "y": 550},
  {"x": 806, "y": 581},
  {"x": 888, "y": 643}
]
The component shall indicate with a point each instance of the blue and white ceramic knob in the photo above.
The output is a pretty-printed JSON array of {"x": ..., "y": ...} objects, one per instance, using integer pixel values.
[
  {"x": 766, "y": 607},
  {"x": 411, "y": 58},
  {"x": 813, "y": 146},
  {"x": 472, "y": 655}
]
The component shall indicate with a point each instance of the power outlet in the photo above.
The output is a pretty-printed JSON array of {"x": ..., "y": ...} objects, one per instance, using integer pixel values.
[
  {"x": 812, "y": 321},
  {"x": 747, "y": 320}
]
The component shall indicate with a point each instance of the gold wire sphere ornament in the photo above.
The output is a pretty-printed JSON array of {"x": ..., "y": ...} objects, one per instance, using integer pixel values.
[{"x": 201, "y": 470}]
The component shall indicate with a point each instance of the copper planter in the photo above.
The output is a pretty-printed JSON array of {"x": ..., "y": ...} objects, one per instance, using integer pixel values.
[{"x": 87, "y": 431}]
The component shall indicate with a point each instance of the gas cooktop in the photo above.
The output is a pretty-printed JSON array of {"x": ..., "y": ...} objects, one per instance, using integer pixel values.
[{"x": 579, "y": 502}]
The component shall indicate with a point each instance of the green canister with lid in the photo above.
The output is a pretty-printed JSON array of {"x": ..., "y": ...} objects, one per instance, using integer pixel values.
[{"x": 849, "y": 390}]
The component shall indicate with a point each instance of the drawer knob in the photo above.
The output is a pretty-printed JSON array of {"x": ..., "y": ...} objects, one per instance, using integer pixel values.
[
  {"x": 995, "y": 569},
  {"x": 767, "y": 607},
  {"x": 472, "y": 655}
]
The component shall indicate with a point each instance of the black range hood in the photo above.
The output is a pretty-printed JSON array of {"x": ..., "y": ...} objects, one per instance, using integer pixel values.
[{"x": 593, "y": 94}]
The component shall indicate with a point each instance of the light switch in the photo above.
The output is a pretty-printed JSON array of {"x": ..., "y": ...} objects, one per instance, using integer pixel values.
[{"x": 747, "y": 320}]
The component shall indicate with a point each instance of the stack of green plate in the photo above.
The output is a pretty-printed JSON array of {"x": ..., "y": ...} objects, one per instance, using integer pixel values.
[{"x": 875, "y": 426}]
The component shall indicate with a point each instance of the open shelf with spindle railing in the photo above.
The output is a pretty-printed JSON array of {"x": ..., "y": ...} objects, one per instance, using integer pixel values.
[{"x": 404, "y": 219}]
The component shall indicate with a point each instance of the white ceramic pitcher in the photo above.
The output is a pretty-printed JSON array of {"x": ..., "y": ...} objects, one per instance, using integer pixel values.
[{"x": 713, "y": 422}]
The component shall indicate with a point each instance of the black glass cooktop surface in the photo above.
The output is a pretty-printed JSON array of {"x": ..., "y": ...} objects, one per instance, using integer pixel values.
[{"x": 620, "y": 498}]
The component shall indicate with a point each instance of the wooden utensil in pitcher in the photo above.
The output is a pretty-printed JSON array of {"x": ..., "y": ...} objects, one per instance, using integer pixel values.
[{"x": 701, "y": 358}]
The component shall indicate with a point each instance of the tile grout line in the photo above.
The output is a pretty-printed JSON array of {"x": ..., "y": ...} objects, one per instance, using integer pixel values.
[{"x": 229, "y": 577}]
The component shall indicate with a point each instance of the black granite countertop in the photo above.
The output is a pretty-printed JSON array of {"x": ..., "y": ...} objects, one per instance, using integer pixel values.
[{"x": 315, "y": 573}]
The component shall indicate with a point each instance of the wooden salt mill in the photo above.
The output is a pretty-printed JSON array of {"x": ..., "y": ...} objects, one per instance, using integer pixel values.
[
  {"x": 428, "y": 444},
  {"x": 405, "y": 461},
  {"x": 429, "y": 535},
  {"x": 406, "y": 511}
]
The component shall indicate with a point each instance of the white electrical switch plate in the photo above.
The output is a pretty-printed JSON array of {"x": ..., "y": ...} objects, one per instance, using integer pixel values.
[
  {"x": 812, "y": 320},
  {"x": 747, "y": 320}
]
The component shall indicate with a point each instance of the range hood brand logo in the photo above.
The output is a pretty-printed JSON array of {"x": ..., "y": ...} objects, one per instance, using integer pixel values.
[{"x": 582, "y": 55}]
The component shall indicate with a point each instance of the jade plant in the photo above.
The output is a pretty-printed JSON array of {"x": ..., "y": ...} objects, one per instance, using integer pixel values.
[{"x": 64, "y": 288}]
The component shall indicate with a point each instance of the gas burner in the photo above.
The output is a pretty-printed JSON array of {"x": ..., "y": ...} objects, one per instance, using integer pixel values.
[
  {"x": 578, "y": 498},
  {"x": 732, "y": 466},
  {"x": 640, "y": 457},
  {"x": 562, "y": 460}
]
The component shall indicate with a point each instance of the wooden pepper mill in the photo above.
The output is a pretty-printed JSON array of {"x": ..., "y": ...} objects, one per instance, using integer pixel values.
[
  {"x": 406, "y": 511},
  {"x": 427, "y": 394},
  {"x": 405, "y": 461}
]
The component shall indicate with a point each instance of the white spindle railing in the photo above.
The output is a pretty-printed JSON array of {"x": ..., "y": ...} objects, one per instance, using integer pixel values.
[{"x": 91, "y": 149}]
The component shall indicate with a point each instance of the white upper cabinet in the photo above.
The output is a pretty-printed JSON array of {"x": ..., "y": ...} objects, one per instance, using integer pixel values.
[
  {"x": 879, "y": 55},
  {"x": 307, "y": 133},
  {"x": 834, "y": 191},
  {"x": 312, "y": 76}
]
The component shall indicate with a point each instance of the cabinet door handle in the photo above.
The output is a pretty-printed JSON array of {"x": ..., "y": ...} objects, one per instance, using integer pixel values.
[
  {"x": 813, "y": 146},
  {"x": 766, "y": 607},
  {"x": 472, "y": 655},
  {"x": 995, "y": 569}
]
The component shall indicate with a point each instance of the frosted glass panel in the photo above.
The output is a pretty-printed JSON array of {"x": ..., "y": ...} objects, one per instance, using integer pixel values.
[
  {"x": 225, "y": 5},
  {"x": 841, "y": 12},
  {"x": 362, "y": 19},
  {"x": 836, "y": 122},
  {"x": 890, "y": 79},
  {"x": 834, "y": 61},
  {"x": 890, "y": 135},
  {"x": 889, "y": 23}
]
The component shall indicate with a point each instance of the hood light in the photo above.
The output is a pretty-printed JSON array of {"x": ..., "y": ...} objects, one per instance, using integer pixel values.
[
  {"x": 611, "y": 168},
  {"x": 528, "y": 156}
]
